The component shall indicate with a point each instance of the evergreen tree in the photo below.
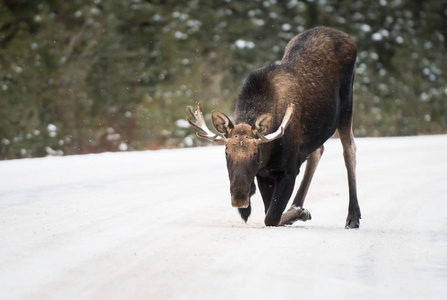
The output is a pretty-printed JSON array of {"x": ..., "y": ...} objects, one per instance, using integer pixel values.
[{"x": 90, "y": 75}]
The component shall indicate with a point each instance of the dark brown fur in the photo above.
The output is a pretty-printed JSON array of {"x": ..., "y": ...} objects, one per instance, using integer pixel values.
[{"x": 315, "y": 74}]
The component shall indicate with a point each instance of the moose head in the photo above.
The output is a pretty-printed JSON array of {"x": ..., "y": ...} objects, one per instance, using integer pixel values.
[{"x": 242, "y": 147}]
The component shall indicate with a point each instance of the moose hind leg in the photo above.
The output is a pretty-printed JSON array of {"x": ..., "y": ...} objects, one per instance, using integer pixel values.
[
  {"x": 349, "y": 155},
  {"x": 349, "y": 148},
  {"x": 296, "y": 211}
]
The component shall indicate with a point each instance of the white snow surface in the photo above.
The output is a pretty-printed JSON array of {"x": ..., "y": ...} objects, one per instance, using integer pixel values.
[{"x": 159, "y": 225}]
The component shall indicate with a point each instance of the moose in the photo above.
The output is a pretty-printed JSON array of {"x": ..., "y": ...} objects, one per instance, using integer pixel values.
[{"x": 283, "y": 115}]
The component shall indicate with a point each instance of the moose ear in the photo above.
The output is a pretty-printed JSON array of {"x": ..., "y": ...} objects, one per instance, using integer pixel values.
[
  {"x": 221, "y": 122},
  {"x": 263, "y": 123}
]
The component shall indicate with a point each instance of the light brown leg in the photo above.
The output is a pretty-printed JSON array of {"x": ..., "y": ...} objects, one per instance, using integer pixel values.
[
  {"x": 349, "y": 154},
  {"x": 296, "y": 211}
]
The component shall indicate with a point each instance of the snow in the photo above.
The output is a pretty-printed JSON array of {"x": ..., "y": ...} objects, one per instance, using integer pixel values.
[
  {"x": 377, "y": 36},
  {"x": 244, "y": 44},
  {"x": 365, "y": 27},
  {"x": 157, "y": 225}
]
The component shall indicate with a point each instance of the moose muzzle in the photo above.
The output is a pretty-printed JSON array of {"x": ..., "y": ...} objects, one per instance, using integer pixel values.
[
  {"x": 238, "y": 202},
  {"x": 240, "y": 194}
]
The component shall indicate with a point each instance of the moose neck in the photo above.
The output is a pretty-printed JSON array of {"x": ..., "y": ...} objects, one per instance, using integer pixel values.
[{"x": 268, "y": 91}]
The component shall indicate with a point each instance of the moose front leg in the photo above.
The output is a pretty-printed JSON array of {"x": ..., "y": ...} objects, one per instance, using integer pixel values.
[
  {"x": 266, "y": 187},
  {"x": 293, "y": 214},
  {"x": 281, "y": 195},
  {"x": 296, "y": 211}
]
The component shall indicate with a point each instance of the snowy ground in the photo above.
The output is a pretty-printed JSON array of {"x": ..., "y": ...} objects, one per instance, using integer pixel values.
[{"x": 157, "y": 225}]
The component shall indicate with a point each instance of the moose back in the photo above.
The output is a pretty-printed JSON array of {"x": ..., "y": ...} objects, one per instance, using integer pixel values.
[{"x": 283, "y": 116}]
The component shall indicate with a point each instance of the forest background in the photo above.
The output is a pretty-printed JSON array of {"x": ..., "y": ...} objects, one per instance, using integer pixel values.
[{"x": 88, "y": 76}]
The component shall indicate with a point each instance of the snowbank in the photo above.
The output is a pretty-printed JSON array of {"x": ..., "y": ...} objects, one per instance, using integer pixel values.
[{"x": 156, "y": 225}]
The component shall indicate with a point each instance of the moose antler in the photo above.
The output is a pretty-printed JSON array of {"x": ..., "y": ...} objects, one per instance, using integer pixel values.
[
  {"x": 280, "y": 131},
  {"x": 199, "y": 124}
]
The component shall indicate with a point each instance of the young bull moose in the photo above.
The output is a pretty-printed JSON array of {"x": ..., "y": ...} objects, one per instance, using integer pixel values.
[{"x": 284, "y": 114}]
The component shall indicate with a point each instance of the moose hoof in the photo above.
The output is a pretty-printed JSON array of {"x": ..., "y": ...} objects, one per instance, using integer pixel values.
[
  {"x": 271, "y": 222},
  {"x": 352, "y": 224},
  {"x": 293, "y": 214}
]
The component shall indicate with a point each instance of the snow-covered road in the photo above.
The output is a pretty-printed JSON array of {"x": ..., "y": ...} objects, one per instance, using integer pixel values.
[{"x": 159, "y": 225}]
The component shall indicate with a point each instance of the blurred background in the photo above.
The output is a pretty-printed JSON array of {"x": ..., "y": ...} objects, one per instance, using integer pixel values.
[{"x": 87, "y": 76}]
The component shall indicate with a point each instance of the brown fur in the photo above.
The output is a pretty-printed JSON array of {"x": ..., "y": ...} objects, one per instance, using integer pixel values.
[{"x": 316, "y": 75}]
